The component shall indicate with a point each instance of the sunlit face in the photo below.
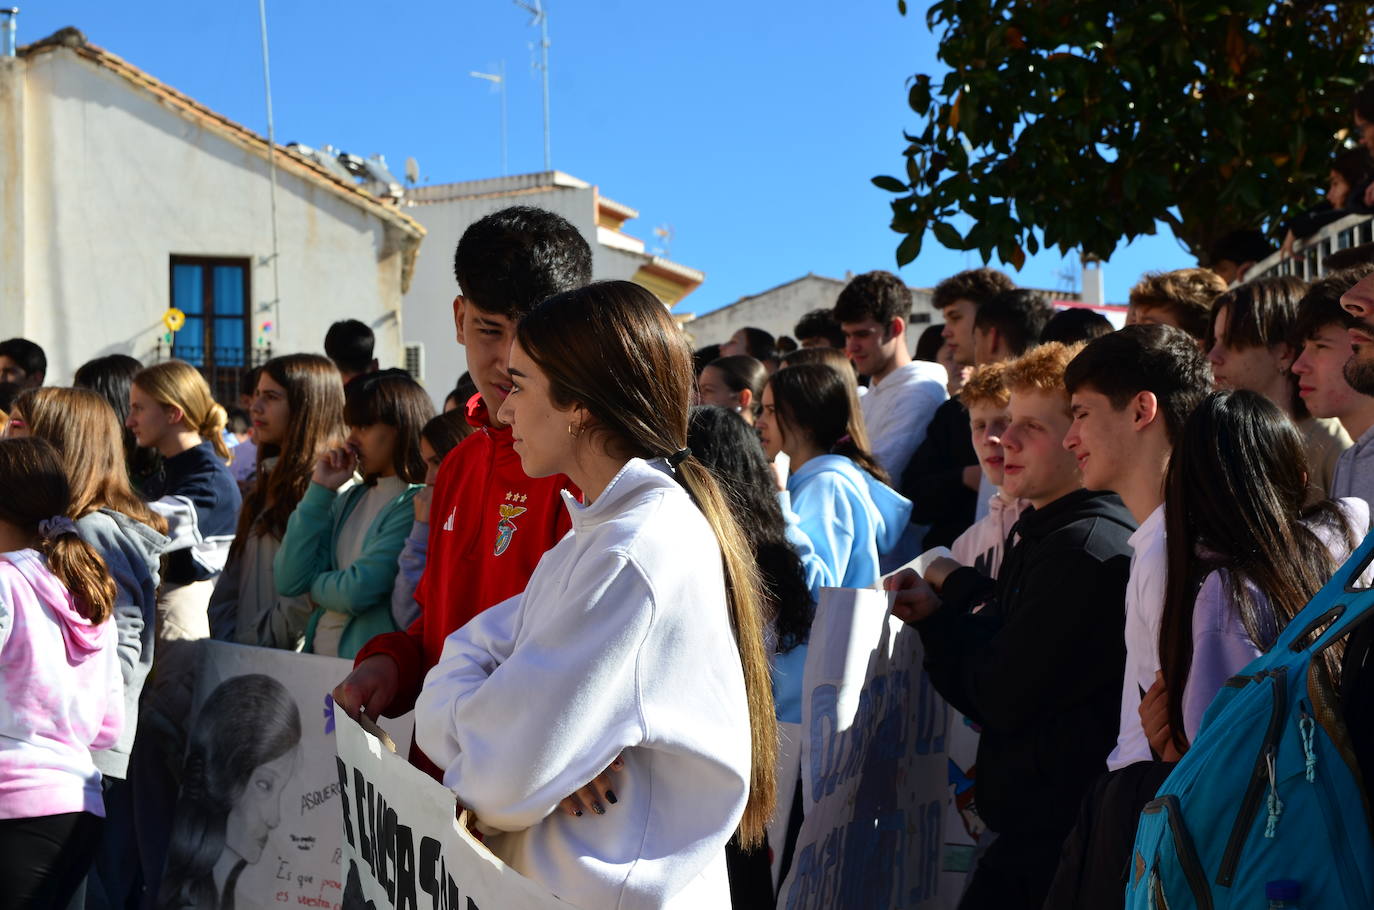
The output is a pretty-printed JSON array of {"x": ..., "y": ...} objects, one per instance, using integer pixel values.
[
  {"x": 712, "y": 389},
  {"x": 1038, "y": 467},
  {"x": 1320, "y": 369},
  {"x": 258, "y": 809},
  {"x": 375, "y": 447},
  {"x": 432, "y": 462},
  {"x": 770, "y": 426},
  {"x": 1253, "y": 368},
  {"x": 1100, "y": 439},
  {"x": 870, "y": 345},
  {"x": 487, "y": 338},
  {"x": 958, "y": 331},
  {"x": 271, "y": 412},
  {"x": 150, "y": 420},
  {"x": 18, "y": 427},
  {"x": 1359, "y": 302},
  {"x": 737, "y": 345},
  {"x": 987, "y": 422},
  {"x": 545, "y": 436},
  {"x": 13, "y": 372},
  {"x": 984, "y": 346}
]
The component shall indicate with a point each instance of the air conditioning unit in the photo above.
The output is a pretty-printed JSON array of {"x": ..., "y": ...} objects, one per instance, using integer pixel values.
[{"x": 415, "y": 361}]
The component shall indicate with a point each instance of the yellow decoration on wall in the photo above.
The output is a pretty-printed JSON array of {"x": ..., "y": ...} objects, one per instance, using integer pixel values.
[{"x": 173, "y": 319}]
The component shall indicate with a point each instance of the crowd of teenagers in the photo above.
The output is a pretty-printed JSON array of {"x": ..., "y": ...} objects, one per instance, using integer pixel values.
[{"x": 592, "y": 577}]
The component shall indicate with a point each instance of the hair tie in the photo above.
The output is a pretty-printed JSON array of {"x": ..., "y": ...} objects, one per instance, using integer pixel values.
[
  {"x": 55, "y": 527},
  {"x": 679, "y": 457}
]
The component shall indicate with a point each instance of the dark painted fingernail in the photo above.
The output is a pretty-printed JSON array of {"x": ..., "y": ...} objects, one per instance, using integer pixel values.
[
  {"x": 598, "y": 809},
  {"x": 577, "y": 812},
  {"x": 610, "y": 797}
]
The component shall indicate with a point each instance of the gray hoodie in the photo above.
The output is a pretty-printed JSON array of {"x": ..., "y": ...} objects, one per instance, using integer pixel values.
[{"x": 131, "y": 550}]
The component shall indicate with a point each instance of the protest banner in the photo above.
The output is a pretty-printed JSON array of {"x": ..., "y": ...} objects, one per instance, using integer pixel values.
[
  {"x": 257, "y": 818},
  {"x": 404, "y": 847},
  {"x": 874, "y": 764}
]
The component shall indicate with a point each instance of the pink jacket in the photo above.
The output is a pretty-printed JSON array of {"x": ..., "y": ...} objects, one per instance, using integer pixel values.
[
  {"x": 61, "y": 694},
  {"x": 983, "y": 544}
]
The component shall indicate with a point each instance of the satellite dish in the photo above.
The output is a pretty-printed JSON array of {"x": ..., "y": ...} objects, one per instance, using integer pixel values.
[{"x": 412, "y": 170}]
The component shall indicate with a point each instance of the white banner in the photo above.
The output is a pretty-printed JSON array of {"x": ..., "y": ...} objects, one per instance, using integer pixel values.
[
  {"x": 403, "y": 846},
  {"x": 874, "y": 764},
  {"x": 257, "y": 818}
]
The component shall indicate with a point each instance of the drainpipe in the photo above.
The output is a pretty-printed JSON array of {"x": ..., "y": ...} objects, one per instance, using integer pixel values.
[{"x": 7, "y": 30}]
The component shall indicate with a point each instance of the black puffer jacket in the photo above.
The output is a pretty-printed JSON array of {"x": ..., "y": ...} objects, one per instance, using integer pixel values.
[{"x": 1040, "y": 666}]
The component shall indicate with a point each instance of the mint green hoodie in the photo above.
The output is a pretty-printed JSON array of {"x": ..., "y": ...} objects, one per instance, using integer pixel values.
[{"x": 306, "y": 562}]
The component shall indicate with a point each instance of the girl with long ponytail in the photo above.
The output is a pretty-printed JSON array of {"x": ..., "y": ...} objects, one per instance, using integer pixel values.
[
  {"x": 172, "y": 410},
  {"x": 839, "y": 492},
  {"x": 59, "y": 682},
  {"x": 643, "y": 630}
]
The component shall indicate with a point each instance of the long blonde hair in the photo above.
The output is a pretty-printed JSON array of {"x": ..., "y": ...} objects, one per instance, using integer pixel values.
[
  {"x": 177, "y": 384},
  {"x": 612, "y": 348},
  {"x": 84, "y": 429}
]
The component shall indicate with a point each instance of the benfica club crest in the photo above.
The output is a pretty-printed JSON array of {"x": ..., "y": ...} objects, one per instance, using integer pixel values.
[{"x": 505, "y": 528}]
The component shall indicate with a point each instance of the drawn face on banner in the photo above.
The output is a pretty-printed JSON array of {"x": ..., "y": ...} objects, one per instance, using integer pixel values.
[{"x": 257, "y": 812}]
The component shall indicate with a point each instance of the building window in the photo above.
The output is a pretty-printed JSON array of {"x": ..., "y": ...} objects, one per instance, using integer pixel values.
[{"x": 213, "y": 293}]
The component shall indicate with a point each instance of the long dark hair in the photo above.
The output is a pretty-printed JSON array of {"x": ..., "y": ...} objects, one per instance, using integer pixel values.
[
  {"x": 246, "y": 722},
  {"x": 612, "y": 348},
  {"x": 110, "y": 377},
  {"x": 393, "y": 398},
  {"x": 815, "y": 399},
  {"x": 83, "y": 427},
  {"x": 1233, "y": 500},
  {"x": 730, "y": 449},
  {"x": 315, "y": 398},
  {"x": 36, "y": 490}
]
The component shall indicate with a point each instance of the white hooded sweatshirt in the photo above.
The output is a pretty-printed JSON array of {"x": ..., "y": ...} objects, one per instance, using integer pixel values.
[{"x": 622, "y": 642}]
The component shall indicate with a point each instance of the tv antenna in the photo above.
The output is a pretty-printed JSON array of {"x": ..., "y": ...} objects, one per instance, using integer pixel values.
[
  {"x": 541, "y": 18},
  {"x": 498, "y": 81},
  {"x": 664, "y": 232}
]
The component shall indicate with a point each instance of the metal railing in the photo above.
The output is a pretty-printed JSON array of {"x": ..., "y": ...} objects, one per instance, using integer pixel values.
[
  {"x": 1308, "y": 259},
  {"x": 223, "y": 368}
]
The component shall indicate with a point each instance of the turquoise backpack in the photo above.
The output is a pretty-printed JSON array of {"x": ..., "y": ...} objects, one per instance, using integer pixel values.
[{"x": 1269, "y": 789}]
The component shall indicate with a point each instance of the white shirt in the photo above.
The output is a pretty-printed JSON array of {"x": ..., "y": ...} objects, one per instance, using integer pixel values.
[
  {"x": 898, "y": 410},
  {"x": 621, "y": 643},
  {"x": 1144, "y": 609}
]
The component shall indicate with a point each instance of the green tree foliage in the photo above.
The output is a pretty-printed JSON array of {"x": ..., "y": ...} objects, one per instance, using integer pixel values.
[{"x": 1077, "y": 123}]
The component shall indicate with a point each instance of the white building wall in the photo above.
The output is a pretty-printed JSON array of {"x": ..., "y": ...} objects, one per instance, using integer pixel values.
[
  {"x": 778, "y": 310},
  {"x": 428, "y": 305},
  {"x": 115, "y": 183}
]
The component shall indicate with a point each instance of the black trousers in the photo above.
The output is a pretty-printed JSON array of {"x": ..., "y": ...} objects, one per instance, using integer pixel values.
[
  {"x": 1014, "y": 873},
  {"x": 44, "y": 860},
  {"x": 1094, "y": 863}
]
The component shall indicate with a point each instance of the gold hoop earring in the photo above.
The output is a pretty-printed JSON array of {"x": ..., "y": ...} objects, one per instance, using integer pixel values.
[{"x": 572, "y": 434}]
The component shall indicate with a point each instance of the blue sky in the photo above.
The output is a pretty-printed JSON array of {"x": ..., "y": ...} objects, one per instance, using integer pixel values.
[{"x": 751, "y": 129}]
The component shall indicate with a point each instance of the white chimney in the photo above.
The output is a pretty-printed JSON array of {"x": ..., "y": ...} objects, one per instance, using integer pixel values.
[{"x": 1094, "y": 290}]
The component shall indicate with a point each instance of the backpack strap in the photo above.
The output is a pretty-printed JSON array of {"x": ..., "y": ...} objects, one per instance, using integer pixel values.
[{"x": 1340, "y": 602}]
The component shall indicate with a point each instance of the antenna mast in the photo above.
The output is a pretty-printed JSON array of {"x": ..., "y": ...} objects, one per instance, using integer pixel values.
[
  {"x": 498, "y": 80},
  {"x": 541, "y": 18}
]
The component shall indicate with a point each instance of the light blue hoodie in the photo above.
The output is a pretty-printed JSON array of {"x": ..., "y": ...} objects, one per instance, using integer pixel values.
[
  {"x": 850, "y": 517},
  {"x": 850, "y": 520}
]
